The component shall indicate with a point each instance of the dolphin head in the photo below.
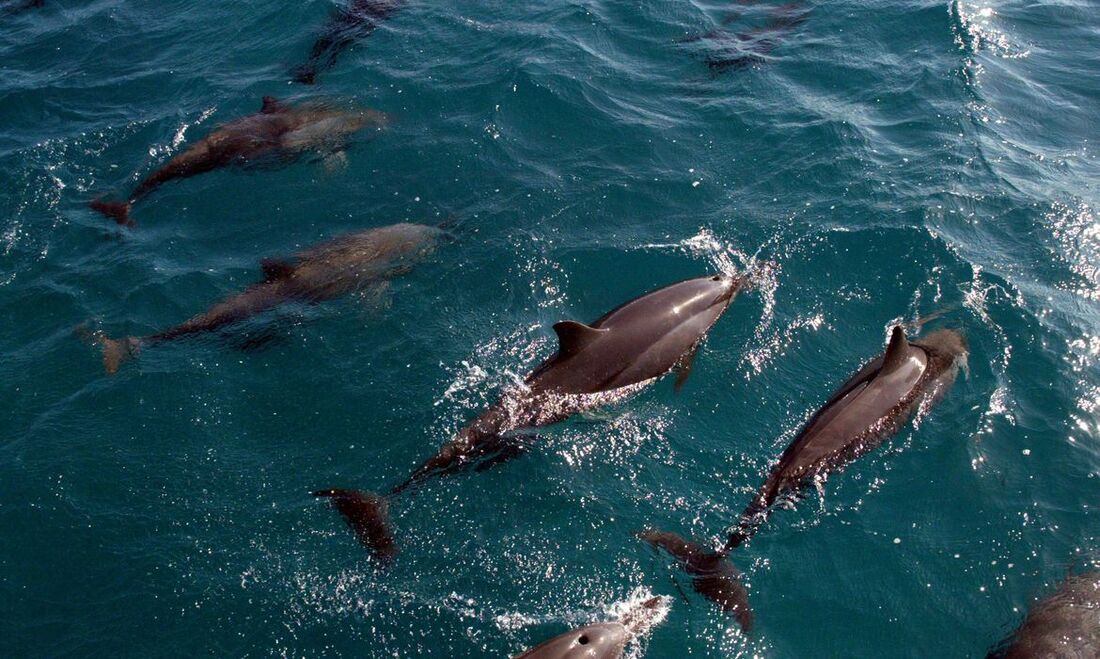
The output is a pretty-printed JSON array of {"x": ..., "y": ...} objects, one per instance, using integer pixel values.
[
  {"x": 353, "y": 122},
  {"x": 322, "y": 127},
  {"x": 950, "y": 350},
  {"x": 412, "y": 241},
  {"x": 707, "y": 296},
  {"x": 601, "y": 641},
  {"x": 950, "y": 343}
]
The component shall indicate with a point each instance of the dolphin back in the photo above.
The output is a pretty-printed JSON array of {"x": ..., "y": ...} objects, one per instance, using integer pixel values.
[
  {"x": 637, "y": 341},
  {"x": 1065, "y": 624}
]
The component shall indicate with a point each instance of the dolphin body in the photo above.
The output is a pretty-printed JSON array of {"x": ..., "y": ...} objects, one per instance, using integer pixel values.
[
  {"x": 325, "y": 271},
  {"x": 277, "y": 132},
  {"x": 871, "y": 406},
  {"x": 605, "y": 640},
  {"x": 1065, "y": 625},
  {"x": 354, "y": 22},
  {"x": 615, "y": 356}
]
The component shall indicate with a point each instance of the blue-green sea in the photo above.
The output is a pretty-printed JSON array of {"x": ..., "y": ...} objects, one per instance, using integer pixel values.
[{"x": 877, "y": 162}]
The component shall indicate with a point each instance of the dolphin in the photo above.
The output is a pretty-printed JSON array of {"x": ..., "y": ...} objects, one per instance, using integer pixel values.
[
  {"x": 748, "y": 48},
  {"x": 605, "y": 640},
  {"x": 1064, "y": 625},
  {"x": 278, "y": 132},
  {"x": 615, "y": 356},
  {"x": 350, "y": 24},
  {"x": 330, "y": 269},
  {"x": 872, "y": 405}
]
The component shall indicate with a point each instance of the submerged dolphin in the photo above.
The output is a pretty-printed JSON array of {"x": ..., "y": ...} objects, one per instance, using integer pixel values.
[
  {"x": 1065, "y": 624},
  {"x": 354, "y": 22},
  {"x": 871, "y": 406},
  {"x": 744, "y": 49},
  {"x": 276, "y": 132},
  {"x": 330, "y": 269},
  {"x": 605, "y": 640},
  {"x": 615, "y": 356}
]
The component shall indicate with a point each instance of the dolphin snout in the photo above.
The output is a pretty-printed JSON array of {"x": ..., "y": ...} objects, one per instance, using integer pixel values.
[{"x": 727, "y": 287}]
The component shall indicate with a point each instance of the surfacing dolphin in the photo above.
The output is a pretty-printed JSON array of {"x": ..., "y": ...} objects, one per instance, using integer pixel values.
[
  {"x": 352, "y": 23},
  {"x": 350, "y": 263},
  {"x": 614, "y": 357},
  {"x": 278, "y": 133},
  {"x": 1065, "y": 625},
  {"x": 872, "y": 405},
  {"x": 605, "y": 640}
]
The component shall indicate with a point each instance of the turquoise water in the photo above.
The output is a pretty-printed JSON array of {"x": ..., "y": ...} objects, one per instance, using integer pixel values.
[{"x": 887, "y": 161}]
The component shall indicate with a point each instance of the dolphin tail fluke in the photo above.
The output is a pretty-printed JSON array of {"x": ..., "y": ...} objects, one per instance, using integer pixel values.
[
  {"x": 712, "y": 574},
  {"x": 116, "y": 351},
  {"x": 368, "y": 515},
  {"x": 119, "y": 211}
]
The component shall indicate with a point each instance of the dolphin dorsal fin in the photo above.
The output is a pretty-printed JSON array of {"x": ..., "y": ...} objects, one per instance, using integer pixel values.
[
  {"x": 897, "y": 351},
  {"x": 276, "y": 269},
  {"x": 272, "y": 105},
  {"x": 574, "y": 336}
]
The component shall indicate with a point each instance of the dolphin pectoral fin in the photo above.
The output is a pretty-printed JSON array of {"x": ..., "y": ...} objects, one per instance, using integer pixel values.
[
  {"x": 276, "y": 269},
  {"x": 367, "y": 514},
  {"x": 263, "y": 333},
  {"x": 683, "y": 368},
  {"x": 574, "y": 336},
  {"x": 260, "y": 338},
  {"x": 256, "y": 341},
  {"x": 712, "y": 574}
]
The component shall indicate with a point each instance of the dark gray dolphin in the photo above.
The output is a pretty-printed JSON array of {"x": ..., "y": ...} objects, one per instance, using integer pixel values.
[
  {"x": 337, "y": 267},
  {"x": 278, "y": 132},
  {"x": 352, "y": 23},
  {"x": 740, "y": 50},
  {"x": 605, "y": 640},
  {"x": 1065, "y": 625},
  {"x": 615, "y": 356},
  {"x": 871, "y": 406}
]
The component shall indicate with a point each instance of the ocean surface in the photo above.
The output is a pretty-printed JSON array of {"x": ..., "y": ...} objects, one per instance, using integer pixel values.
[{"x": 878, "y": 162}]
